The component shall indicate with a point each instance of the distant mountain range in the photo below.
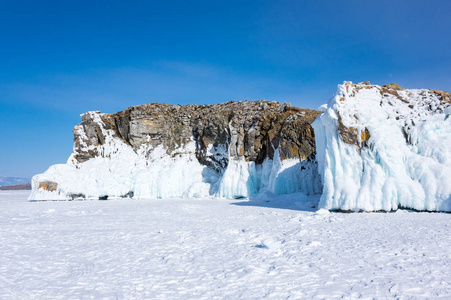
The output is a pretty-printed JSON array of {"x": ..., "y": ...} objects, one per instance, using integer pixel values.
[
  {"x": 16, "y": 187},
  {"x": 5, "y": 180}
]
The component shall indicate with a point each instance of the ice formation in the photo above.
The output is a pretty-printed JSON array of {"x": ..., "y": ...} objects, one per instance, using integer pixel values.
[
  {"x": 243, "y": 179},
  {"x": 377, "y": 148},
  {"x": 120, "y": 171},
  {"x": 400, "y": 155}
]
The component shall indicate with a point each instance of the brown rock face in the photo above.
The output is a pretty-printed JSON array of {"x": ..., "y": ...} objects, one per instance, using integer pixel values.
[
  {"x": 251, "y": 130},
  {"x": 445, "y": 97},
  {"x": 48, "y": 186},
  {"x": 350, "y": 135}
]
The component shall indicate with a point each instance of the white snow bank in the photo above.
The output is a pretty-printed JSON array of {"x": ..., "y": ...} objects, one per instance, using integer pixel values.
[
  {"x": 204, "y": 249},
  {"x": 407, "y": 160}
]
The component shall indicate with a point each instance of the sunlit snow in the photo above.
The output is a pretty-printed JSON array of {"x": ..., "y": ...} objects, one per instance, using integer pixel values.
[{"x": 276, "y": 247}]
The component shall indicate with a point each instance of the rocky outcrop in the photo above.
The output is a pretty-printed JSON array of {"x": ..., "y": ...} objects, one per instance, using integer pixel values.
[
  {"x": 251, "y": 130},
  {"x": 374, "y": 148},
  {"x": 350, "y": 135},
  {"x": 392, "y": 149},
  {"x": 48, "y": 186},
  {"x": 156, "y": 150}
]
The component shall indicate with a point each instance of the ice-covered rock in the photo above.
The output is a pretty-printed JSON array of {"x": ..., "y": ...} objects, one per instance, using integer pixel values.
[
  {"x": 382, "y": 148},
  {"x": 374, "y": 148},
  {"x": 232, "y": 149}
]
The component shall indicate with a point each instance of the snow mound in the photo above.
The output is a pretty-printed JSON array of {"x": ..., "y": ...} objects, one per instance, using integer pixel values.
[{"x": 382, "y": 148}]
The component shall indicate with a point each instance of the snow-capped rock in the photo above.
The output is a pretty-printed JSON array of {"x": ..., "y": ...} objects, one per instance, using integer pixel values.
[
  {"x": 232, "y": 149},
  {"x": 382, "y": 148},
  {"x": 376, "y": 148}
]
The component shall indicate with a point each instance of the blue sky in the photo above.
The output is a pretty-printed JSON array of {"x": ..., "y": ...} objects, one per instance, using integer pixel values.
[{"x": 59, "y": 59}]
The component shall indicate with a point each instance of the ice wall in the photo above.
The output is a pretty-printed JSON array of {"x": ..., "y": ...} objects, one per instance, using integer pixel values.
[
  {"x": 244, "y": 179},
  {"x": 128, "y": 174},
  {"x": 403, "y": 155}
]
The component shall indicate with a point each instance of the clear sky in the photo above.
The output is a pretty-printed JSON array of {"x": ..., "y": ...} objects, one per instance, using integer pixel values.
[{"x": 59, "y": 59}]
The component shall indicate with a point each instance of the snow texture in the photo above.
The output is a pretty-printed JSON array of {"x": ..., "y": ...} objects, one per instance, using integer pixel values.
[
  {"x": 405, "y": 163},
  {"x": 218, "y": 249}
]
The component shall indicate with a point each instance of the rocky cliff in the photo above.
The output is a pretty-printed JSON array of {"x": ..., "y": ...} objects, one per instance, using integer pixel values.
[
  {"x": 252, "y": 130},
  {"x": 373, "y": 148},
  {"x": 257, "y": 138}
]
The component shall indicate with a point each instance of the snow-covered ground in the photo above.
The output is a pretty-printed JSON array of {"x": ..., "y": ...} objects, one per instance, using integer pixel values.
[{"x": 217, "y": 248}]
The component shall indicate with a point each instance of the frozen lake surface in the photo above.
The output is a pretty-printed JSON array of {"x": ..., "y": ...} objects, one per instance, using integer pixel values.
[{"x": 216, "y": 248}]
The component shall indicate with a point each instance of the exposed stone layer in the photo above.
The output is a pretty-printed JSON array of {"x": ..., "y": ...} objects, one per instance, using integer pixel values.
[
  {"x": 350, "y": 135},
  {"x": 48, "y": 186},
  {"x": 251, "y": 129}
]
